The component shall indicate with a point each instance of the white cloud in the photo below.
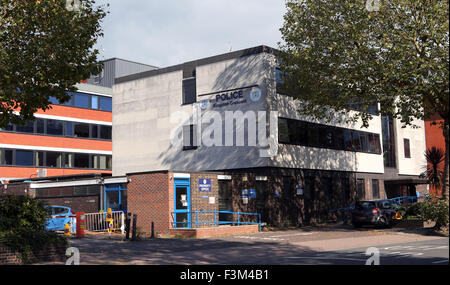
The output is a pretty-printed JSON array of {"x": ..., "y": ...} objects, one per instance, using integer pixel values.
[{"x": 169, "y": 32}]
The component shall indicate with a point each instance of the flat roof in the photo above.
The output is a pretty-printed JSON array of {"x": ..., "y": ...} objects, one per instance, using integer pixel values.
[{"x": 199, "y": 62}]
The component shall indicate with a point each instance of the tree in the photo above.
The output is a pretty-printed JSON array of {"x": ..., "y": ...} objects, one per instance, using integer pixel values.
[
  {"x": 46, "y": 47},
  {"x": 434, "y": 157},
  {"x": 340, "y": 53}
]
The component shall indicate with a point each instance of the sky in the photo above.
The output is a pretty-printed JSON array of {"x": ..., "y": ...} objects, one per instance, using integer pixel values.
[{"x": 169, "y": 32}]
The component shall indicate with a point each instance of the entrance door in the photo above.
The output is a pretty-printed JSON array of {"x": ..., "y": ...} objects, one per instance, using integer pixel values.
[
  {"x": 225, "y": 200},
  {"x": 182, "y": 207}
]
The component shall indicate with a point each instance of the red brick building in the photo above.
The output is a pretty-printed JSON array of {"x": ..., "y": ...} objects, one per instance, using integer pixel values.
[{"x": 435, "y": 138}]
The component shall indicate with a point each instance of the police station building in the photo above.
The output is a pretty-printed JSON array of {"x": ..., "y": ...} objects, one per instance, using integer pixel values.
[{"x": 215, "y": 135}]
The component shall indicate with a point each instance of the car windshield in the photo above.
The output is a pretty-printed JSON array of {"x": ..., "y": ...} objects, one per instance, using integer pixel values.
[{"x": 365, "y": 205}]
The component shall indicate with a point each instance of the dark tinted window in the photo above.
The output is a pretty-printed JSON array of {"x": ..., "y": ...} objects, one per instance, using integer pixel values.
[
  {"x": 361, "y": 188},
  {"x": 106, "y": 104},
  {"x": 24, "y": 157},
  {"x": 39, "y": 158},
  {"x": 53, "y": 159},
  {"x": 365, "y": 205},
  {"x": 94, "y": 131},
  {"x": 81, "y": 130},
  {"x": 8, "y": 159},
  {"x": 407, "y": 148},
  {"x": 189, "y": 137},
  {"x": 69, "y": 129},
  {"x": 375, "y": 189},
  {"x": 27, "y": 128},
  {"x": 81, "y": 160},
  {"x": 55, "y": 127},
  {"x": 189, "y": 91},
  {"x": 82, "y": 100},
  {"x": 105, "y": 132},
  {"x": 40, "y": 126}
]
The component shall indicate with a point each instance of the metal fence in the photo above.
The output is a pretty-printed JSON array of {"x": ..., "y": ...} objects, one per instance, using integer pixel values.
[{"x": 96, "y": 222}]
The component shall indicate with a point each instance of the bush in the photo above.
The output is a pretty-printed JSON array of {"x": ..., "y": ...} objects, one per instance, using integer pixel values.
[
  {"x": 22, "y": 222},
  {"x": 433, "y": 209},
  {"x": 21, "y": 213}
]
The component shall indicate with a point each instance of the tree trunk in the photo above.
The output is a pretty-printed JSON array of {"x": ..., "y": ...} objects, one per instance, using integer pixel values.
[{"x": 446, "y": 161}]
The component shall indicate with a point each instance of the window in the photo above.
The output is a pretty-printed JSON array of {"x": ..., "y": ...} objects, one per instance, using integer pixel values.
[
  {"x": 94, "y": 131},
  {"x": 27, "y": 128},
  {"x": 189, "y": 137},
  {"x": 81, "y": 130},
  {"x": 100, "y": 162},
  {"x": 375, "y": 189},
  {"x": 364, "y": 141},
  {"x": 105, "y": 103},
  {"x": 24, "y": 157},
  {"x": 68, "y": 160},
  {"x": 40, "y": 126},
  {"x": 361, "y": 189},
  {"x": 283, "y": 131},
  {"x": 287, "y": 191},
  {"x": 356, "y": 142},
  {"x": 9, "y": 127},
  {"x": 39, "y": 160},
  {"x": 8, "y": 157},
  {"x": 189, "y": 91},
  {"x": 82, "y": 100},
  {"x": 94, "y": 102},
  {"x": 55, "y": 127},
  {"x": 81, "y": 160},
  {"x": 105, "y": 132},
  {"x": 348, "y": 143},
  {"x": 406, "y": 148},
  {"x": 53, "y": 159}
]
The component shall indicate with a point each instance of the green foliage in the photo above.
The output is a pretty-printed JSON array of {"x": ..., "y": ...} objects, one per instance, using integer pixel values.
[
  {"x": 21, "y": 214},
  {"x": 45, "y": 50},
  {"x": 339, "y": 53},
  {"x": 22, "y": 221},
  {"x": 434, "y": 209},
  {"x": 434, "y": 156}
]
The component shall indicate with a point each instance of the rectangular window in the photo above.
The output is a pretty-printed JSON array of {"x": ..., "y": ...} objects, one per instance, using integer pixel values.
[
  {"x": 189, "y": 137},
  {"x": 27, "y": 128},
  {"x": 80, "y": 130},
  {"x": 69, "y": 129},
  {"x": 24, "y": 157},
  {"x": 40, "y": 126},
  {"x": 8, "y": 157},
  {"x": 68, "y": 160},
  {"x": 94, "y": 131},
  {"x": 9, "y": 127},
  {"x": 375, "y": 189},
  {"x": 313, "y": 137},
  {"x": 339, "y": 138},
  {"x": 283, "y": 131},
  {"x": 81, "y": 160},
  {"x": 109, "y": 162},
  {"x": 105, "y": 104},
  {"x": 55, "y": 127},
  {"x": 94, "y": 102},
  {"x": 105, "y": 132},
  {"x": 82, "y": 100},
  {"x": 39, "y": 160},
  {"x": 189, "y": 91},
  {"x": 407, "y": 148},
  {"x": 360, "y": 184},
  {"x": 348, "y": 142},
  {"x": 53, "y": 159},
  {"x": 356, "y": 142},
  {"x": 364, "y": 141}
]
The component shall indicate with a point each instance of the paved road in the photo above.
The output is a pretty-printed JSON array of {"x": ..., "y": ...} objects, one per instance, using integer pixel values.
[{"x": 334, "y": 245}]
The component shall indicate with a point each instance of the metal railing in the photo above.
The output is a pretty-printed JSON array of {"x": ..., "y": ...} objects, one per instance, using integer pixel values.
[
  {"x": 216, "y": 221},
  {"x": 96, "y": 222}
]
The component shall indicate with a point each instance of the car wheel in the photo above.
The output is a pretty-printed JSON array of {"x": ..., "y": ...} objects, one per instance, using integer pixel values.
[{"x": 382, "y": 223}]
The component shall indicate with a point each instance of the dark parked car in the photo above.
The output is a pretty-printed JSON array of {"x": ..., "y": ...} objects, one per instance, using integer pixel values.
[{"x": 378, "y": 213}]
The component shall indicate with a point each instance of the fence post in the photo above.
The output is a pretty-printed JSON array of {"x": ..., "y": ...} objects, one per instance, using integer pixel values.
[
  {"x": 238, "y": 219},
  {"x": 133, "y": 234},
  {"x": 215, "y": 225},
  {"x": 122, "y": 222},
  {"x": 127, "y": 226},
  {"x": 153, "y": 230},
  {"x": 197, "y": 219}
]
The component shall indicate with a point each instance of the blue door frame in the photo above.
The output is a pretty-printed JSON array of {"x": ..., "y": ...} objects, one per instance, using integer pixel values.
[
  {"x": 119, "y": 189},
  {"x": 182, "y": 183}
]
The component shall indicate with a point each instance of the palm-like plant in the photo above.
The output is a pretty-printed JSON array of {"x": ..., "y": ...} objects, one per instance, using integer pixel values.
[{"x": 434, "y": 156}]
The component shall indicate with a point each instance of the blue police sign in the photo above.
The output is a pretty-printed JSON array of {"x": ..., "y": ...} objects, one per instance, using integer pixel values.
[{"x": 204, "y": 185}]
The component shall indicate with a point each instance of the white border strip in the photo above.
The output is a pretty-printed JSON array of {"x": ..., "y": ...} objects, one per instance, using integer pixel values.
[
  {"x": 224, "y": 177},
  {"x": 43, "y": 148},
  {"x": 116, "y": 180},
  {"x": 65, "y": 184},
  {"x": 70, "y": 119},
  {"x": 181, "y": 175}
]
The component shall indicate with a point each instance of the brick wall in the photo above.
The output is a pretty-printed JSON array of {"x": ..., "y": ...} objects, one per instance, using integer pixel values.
[
  {"x": 200, "y": 200},
  {"x": 148, "y": 197},
  {"x": 50, "y": 253},
  {"x": 8, "y": 257}
]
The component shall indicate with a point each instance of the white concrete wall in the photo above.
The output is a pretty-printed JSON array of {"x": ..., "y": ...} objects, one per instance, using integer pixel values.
[{"x": 142, "y": 124}]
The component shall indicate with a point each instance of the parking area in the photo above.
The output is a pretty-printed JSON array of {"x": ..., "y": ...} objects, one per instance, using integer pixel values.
[{"x": 340, "y": 244}]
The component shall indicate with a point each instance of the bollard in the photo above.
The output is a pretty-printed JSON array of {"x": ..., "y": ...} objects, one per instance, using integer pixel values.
[
  {"x": 127, "y": 226},
  {"x": 81, "y": 224},
  {"x": 153, "y": 230},
  {"x": 67, "y": 230},
  {"x": 133, "y": 233}
]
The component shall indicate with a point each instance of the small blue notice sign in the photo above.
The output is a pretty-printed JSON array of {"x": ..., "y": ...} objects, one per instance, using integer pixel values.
[
  {"x": 204, "y": 185},
  {"x": 252, "y": 193}
]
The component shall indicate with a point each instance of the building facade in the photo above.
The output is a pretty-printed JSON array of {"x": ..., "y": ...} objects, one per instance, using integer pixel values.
[
  {"x": 225, "y": 114},
  {"x": 68, "y": 139}
]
